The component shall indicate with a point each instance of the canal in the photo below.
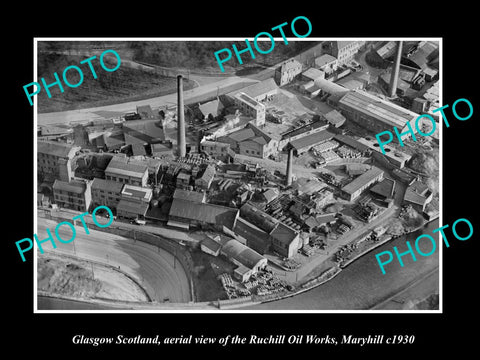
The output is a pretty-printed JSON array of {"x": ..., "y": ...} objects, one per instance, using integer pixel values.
[{"x": 361, "y": 285}]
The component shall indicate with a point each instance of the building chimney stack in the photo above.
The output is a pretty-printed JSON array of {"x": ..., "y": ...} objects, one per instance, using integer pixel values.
[
  {"x": 181, "y": 146},
  {"x": 290, "y": 167},
  {"x": 392, "y": 89}
]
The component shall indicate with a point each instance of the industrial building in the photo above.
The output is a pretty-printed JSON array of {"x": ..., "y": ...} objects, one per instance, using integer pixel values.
[
  {"x": 353, "y": 190},
  {"x": 251, "y": 107},
  {"x": 326, "y": 63},
  {"x": 334, "y": 118},
  {"x": 312, "y": 127},
  {"x": 374, "y": 113},
  {"x": 121, "y": 170},
  {"x": 251, "y": 141},
  {"x": 54, "y": 159},
  {"x": 248, "y": 261},
  {"x": 106, "y": 192},
  {"x": 211, "y": 109},
  {"x": 328, "y": 87},
  {"x": 384, "y": 189},
  {"x": 384, "y": 81},
  {"x": 313, "y": 74},
  {"x": 252, "y": 236},
  {"x": 393, "y": 156},
  {"x": 284, "y": 240},
  {"x": 189, "y": 210},
  {"x": 143, "y": 132},
  {"x": 304, "y": 144},
  {"x": 418, "y": 195},
  {"x": 262, "y": 91},
  {"x": 204, "y": 181},
  {"x": 75, "y": 194},
  {"x": 134, "y": 202},
  {"x": 217, "y": 150},
  {"x": 287, "y": 71},
  {"x": 343, "y": 51}
]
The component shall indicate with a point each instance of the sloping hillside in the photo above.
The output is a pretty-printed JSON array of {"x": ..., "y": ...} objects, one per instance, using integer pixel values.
[{"x": 124, "y": 84}]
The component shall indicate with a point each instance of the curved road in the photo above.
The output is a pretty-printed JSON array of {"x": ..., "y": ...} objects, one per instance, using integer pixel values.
[
  {"x": 197, "y": 94},
  {"x": 161, "y": 275}
]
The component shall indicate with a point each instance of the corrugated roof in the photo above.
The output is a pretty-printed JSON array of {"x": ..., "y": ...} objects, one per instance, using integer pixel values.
[
  {"x": 242, "y": 253},
  {"x": 258, "y": 217},
  {"x": 312, "y": 139},
  {"x": 382, "y": 110},
  {"x": 244, "y": 97},
  {"x": 362, "y": 180},
  {"x": 206, "y": 213},
  {"x": 351, "y": 142},
  {"x": 305, "y": 128},
  {"x": 330, "y": 87}
]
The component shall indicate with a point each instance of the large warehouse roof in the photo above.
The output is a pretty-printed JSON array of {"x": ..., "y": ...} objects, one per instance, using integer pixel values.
[
  {"x": 312, "y": 140},
  {"x": 371, "y": 105},
  {"x": 330, "y": 87},
  {"x": 205, "y": 213},
  {"x": 362, "y": 180},
  {"x": 121, "y": 167},
  {"x": 243, "y": 254}
]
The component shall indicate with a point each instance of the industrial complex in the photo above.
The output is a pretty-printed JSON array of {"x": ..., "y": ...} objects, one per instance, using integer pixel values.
[{"x": 274, "y": 186}]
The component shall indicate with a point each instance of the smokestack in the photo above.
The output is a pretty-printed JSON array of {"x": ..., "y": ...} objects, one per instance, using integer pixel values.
[
  {"x": 181, "y": 146},
  {"x": 392, "y": 90},
  {"x": 290, "y": 167}
]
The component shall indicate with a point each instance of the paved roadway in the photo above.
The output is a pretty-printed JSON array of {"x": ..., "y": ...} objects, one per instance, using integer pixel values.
[
  {"x": 108, "y": 111},
  {"x": 209, "y": 86},
  {"x": 154, "y": 268}
]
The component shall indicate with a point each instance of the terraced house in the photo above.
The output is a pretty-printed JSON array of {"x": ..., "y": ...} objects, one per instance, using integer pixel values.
[{"x": 74, "y": 195}]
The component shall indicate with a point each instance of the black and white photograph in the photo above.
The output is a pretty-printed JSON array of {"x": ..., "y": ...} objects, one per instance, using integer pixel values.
[
  {"x": 224, "y": 180},
  {"x": 174, "y": 180}
]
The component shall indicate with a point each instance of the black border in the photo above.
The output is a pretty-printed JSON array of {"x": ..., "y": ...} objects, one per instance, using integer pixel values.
[{"x": 52, "y": 333}]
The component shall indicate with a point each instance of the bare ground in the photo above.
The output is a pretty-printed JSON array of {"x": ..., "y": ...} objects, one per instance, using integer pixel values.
[{"x": 82, "y": 279}]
